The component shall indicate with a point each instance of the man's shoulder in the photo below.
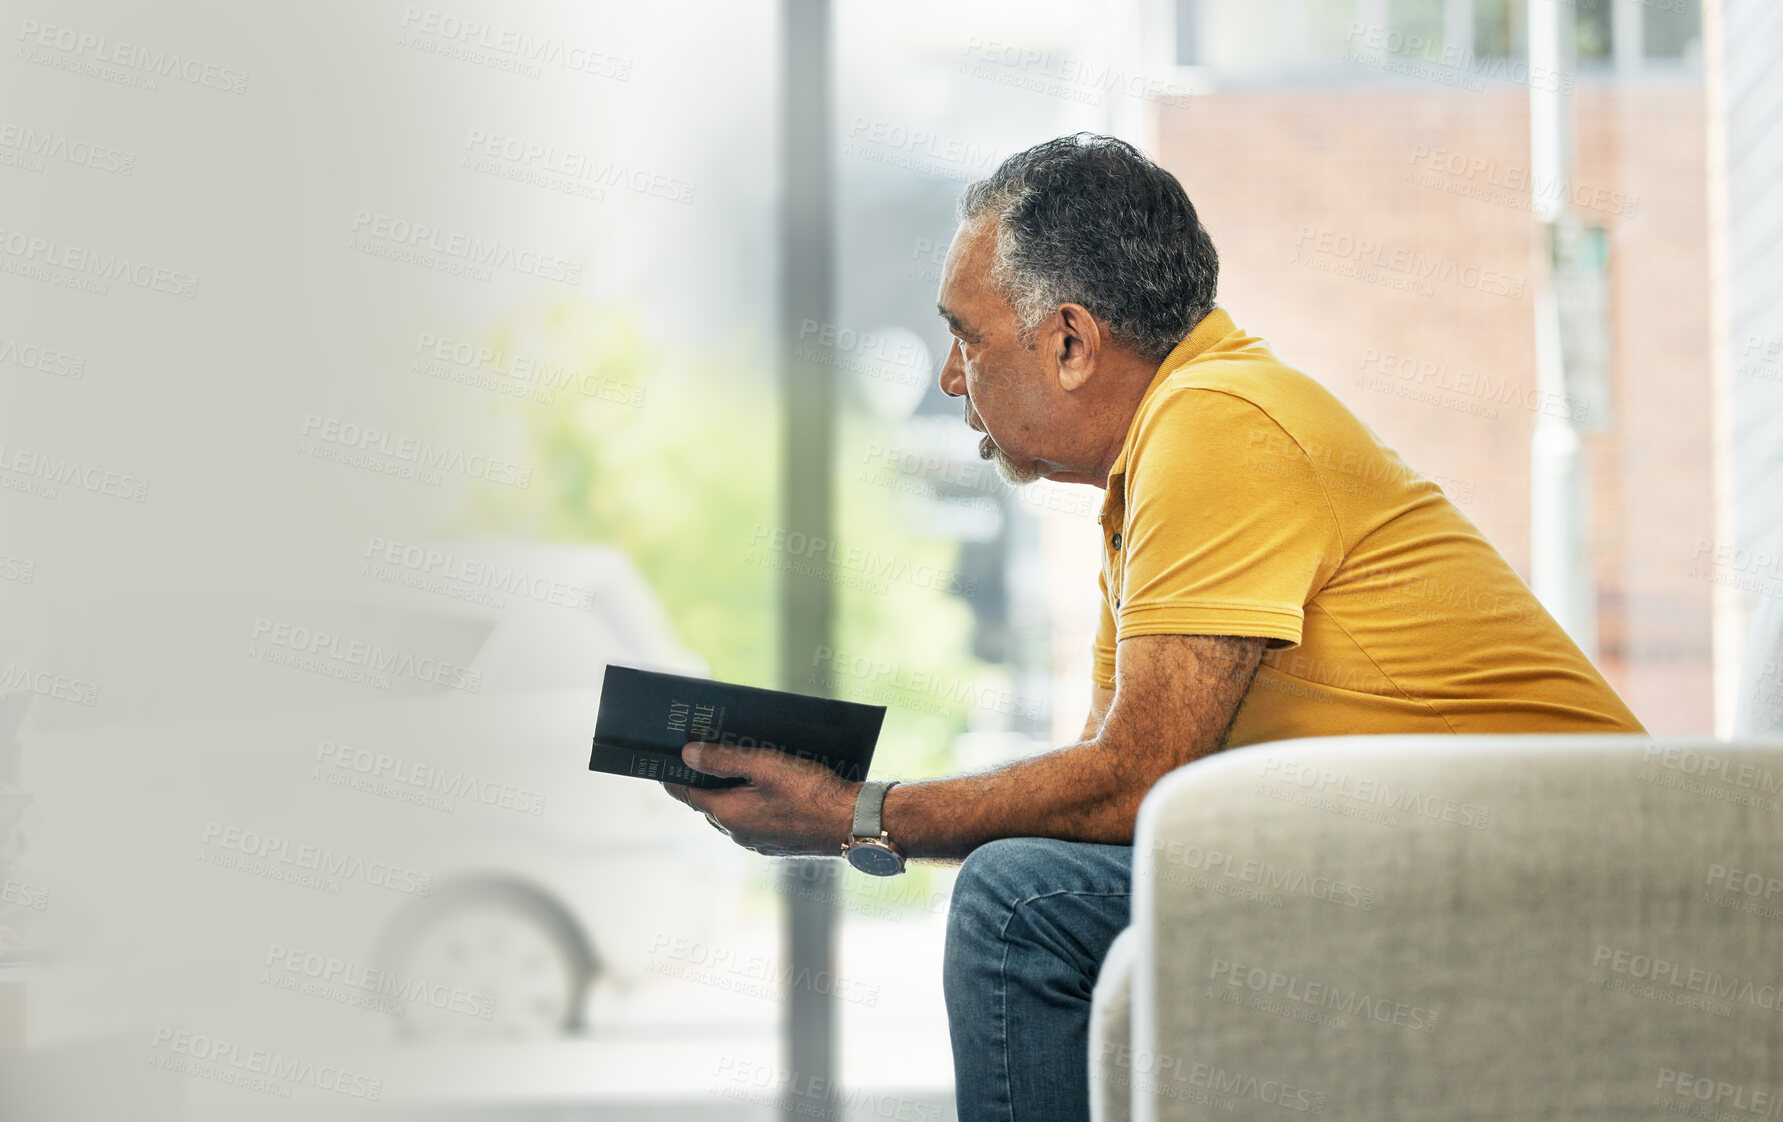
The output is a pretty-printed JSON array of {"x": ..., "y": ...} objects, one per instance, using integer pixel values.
[{"x": 1208, "y": 393}]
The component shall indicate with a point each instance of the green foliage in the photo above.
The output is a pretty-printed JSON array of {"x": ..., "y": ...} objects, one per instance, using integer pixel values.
[
  {"x": 674, "y": 460},
  {"x": 674, "y": 465}
]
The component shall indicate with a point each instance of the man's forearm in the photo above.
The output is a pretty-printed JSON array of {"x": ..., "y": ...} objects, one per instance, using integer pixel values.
[
  {"x": 1088, "y": 791},
  {"x": 1179, "y": 697}
]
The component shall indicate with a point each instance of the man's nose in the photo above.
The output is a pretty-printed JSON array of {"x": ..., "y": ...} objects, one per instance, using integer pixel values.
[{"x": 953, "y": 371}]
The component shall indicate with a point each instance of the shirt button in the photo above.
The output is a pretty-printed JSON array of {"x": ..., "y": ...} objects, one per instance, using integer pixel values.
[
  {"x": 1117, "y": 601},
  {"x": 1117, "y": 541}
]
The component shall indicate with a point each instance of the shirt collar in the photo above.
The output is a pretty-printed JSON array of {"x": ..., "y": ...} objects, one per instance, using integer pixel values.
[{"x": 1214, "y": 326}]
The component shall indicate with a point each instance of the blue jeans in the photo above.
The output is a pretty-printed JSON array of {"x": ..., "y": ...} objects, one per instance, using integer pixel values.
[{"x": 1030, "y": 924}]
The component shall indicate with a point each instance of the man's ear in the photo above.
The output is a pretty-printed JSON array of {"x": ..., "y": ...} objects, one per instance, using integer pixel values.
[{"x": 1078, "y": 344}]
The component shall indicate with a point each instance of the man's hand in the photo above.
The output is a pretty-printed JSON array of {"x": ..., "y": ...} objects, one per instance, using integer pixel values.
[{"x": 789, "y": 807}]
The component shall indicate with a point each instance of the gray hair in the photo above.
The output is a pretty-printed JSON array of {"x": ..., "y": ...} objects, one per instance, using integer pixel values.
[{"x": 1089, "y": 220}]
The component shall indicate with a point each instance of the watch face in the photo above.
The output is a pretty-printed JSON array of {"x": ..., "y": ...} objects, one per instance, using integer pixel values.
[{"x": 874, "y": 859}]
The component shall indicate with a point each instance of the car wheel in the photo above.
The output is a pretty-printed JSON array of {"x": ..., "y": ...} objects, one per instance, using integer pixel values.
[{"x": 488, "y": 960}]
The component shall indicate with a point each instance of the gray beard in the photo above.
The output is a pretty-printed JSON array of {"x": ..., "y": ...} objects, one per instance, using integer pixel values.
[{"x": 1006, "y": 467}]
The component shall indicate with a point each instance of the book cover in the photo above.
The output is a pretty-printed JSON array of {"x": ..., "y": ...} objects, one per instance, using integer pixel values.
[{"x": 646, "y": 717}]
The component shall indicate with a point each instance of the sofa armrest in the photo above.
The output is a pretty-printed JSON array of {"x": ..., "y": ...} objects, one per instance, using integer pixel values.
[
  {"x": 1111, "y": 1032},
  {"x": 1450, "y": 928}
]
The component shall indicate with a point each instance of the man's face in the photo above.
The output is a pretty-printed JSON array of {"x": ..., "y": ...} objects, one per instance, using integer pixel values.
[{"x": 1004, "y": 381}]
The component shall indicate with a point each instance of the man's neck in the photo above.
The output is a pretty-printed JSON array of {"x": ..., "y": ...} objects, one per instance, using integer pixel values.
[{"x": 1133, "y": 375}]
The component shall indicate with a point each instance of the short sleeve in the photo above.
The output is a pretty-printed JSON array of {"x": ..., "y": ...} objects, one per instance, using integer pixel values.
[
  {"x": 1227, "y": 528},
  {"x": 1102, "y": 659}
]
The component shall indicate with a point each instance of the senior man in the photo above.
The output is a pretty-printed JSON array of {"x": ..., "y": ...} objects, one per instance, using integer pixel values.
[{"x": 1270, "y": 570}]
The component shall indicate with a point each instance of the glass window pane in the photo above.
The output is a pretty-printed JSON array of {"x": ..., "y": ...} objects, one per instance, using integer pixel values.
[
  {"x": 1499, "y": 28},
  {"x": 1672, "y": 28},
  {"x": 1592, "y": 28},
  {"x": 1422, "y": 19}
]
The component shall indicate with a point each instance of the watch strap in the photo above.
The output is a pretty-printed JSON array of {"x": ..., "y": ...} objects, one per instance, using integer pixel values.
[{"x": 869, "y": 808}]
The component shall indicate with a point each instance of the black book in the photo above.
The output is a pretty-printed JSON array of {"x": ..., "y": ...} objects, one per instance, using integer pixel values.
[{"x": 647, "y": 717}]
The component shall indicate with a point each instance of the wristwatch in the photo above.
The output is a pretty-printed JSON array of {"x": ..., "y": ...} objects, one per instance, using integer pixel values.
[{"x": 869, "y": 848}]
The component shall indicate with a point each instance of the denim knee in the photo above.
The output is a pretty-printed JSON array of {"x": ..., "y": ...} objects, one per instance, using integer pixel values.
[
  {"x": 993, "y": 880},
  {"x": 1000, "y": 872}
]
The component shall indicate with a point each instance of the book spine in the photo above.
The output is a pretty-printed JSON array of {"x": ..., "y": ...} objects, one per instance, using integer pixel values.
[{"x": 660, "y": 766}]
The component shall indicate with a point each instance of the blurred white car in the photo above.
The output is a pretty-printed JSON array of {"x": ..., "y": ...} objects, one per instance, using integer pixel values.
[{"x": 359, "y": 787}]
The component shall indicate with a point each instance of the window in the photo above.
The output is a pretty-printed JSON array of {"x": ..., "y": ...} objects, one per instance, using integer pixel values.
[{"x": 1672, "y": 28}]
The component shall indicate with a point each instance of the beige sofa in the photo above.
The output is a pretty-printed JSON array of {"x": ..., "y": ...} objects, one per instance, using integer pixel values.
[{"x": 1448, "y": 928}]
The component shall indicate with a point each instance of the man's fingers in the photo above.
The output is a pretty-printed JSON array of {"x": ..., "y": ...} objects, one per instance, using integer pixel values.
[
  {"x": 716, "y": 759},
  {"x": 712, "y": 800},
  {"x": 678, "y": 792}
]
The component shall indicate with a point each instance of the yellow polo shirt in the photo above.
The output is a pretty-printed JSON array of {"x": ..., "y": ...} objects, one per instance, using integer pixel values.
[{"x": 1247, "y": 500}]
